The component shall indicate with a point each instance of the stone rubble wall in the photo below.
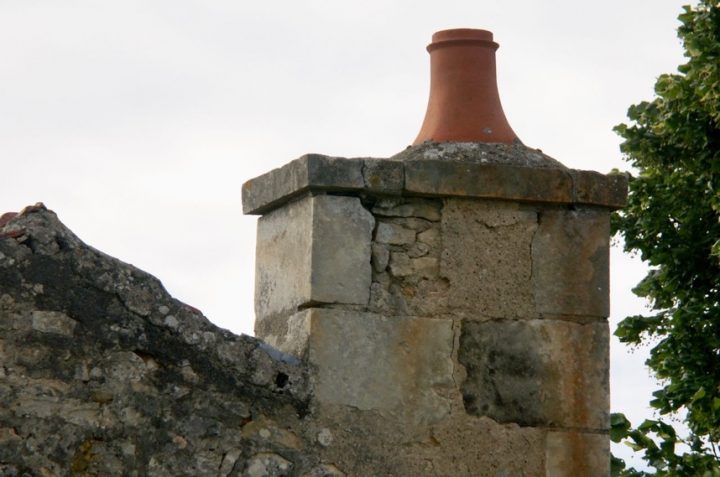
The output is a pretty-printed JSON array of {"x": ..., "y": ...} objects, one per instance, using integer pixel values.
[{"x": 102, "y": 373}]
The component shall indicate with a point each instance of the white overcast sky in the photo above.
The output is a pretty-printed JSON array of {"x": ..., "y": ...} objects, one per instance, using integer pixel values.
[{"x": 137, "y": 121}]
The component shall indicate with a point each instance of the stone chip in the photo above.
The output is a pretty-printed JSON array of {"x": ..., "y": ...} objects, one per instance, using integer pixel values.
[{"x": 53, "y": 322}]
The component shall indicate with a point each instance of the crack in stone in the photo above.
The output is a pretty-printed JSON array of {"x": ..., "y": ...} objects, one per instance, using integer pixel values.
[
  {"x": 531, "y": 279},
  {"x": 457, "y": 330}
]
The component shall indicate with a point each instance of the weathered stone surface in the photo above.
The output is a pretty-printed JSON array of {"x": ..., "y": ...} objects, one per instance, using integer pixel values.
[
  {"x": 288, "y": 334},
  {"x": 400, "y": 265},
  {"x": 411, "y": 294},
  {"x": 425, "y": 267},
  {"x": 399, "y": 367},
  {"x": 410, "y": 284},
  {"x": 325, "y": 470},
  {"x": 424, "y": 209},
  {"x": 445, "y": 178},
  {"x": 314, "y": 250},
  {"x": 537, "y": 372},
  {"x": 480, "y": 153},
  {"x": 283, "y": 260},
  {"x": 383, "y": 176},
  {"x": 460, "y": 446},
  {"x": 418, "y": 249},
  {"x": 380, "y": 257},
  {"x": 394, "y": 234},
  {"x": 53, "y": 322},
  {"x": 570, "y": 454},
  {"x": 267, "y": 465},
  {"x": 486, "y": 258},
  {"x": 310, "y": 172},
  {"x": 570, "y": 255},
  {"x": 595, "y": 188},
  {"x": 480, "y": 447},
  {"x": 342, "y": 234},
  {"x": 430, "y": 237},
  {"x": 94, "y": 382},
  {"x": 552, "y": 181}
]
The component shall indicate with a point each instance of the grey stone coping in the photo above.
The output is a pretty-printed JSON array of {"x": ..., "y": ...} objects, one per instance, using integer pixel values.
[{"x": 442, "y": 175}]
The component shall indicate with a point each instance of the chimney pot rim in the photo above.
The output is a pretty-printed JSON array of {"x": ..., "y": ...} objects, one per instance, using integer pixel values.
[
  {"x": 460, "y": 36},
  {"x": 462, "y": 33},
  {"x": 475, "y": 34}
]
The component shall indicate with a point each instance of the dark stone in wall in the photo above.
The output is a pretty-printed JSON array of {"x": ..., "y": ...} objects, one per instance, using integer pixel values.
[
  {"x": 503, "y": 371},
  {"x": 537, "y": 372}
]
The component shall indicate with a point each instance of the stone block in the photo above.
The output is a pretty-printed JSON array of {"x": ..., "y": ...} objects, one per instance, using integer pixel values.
[
  {"x": 383, "y": 176},
  {"x": 594, "y": 188},
  {"x": 399, "y": 367},
  {"x": 570, "y": 454},
  {"x": 287, "y": 334},
  {"x": 400, "y": 264},
  {"x": 537, "y": 372},
  {"x": 418, "y": 249},
  {"x": 570, "y": 255},
  {"x": 341, "y": 249},
  {"x": 380, "y": 257},
  {"x": 53, "y": 322},
  {"x": 425, "y": 267},
  {"x": 283, "y": 258},
  {"x": 423, "y": 208},
  {"x": 313, "y": 250},
  {"x": 488, "y": 181},
  {"x": 411, "y": 288},
  {"x": 309, "y": 172},
  {"x": 267, "y": 464},
  {"x": 459, "y": 446},
  {"x": 479, "y": 447},
  {"x": 394, "y": 234},
  {"x": 430, "y": 237},
  {"x": 486, "y": 257}
]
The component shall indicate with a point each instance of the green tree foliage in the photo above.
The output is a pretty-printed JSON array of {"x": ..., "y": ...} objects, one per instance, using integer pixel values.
[{"x": 672, "y": 220}]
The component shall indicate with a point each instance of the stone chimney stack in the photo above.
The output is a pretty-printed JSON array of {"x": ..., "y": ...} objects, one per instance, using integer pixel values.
[{"x": 451, "y": 300}]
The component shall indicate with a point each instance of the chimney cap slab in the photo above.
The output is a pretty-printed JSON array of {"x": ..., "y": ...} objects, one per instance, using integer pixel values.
[{"x": 484, "y": 171}]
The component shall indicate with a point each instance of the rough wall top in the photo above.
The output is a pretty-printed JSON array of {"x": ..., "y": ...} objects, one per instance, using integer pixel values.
[
  {"x": 473, "y": 170},
  {"x": 111, "y": 305}
]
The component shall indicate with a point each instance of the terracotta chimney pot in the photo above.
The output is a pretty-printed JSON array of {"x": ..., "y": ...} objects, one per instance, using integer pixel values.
[{"x": 464, "y": 104}]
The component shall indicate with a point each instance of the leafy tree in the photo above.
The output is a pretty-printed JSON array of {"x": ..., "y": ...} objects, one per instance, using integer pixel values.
[{"x": 672, "y": 220}]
